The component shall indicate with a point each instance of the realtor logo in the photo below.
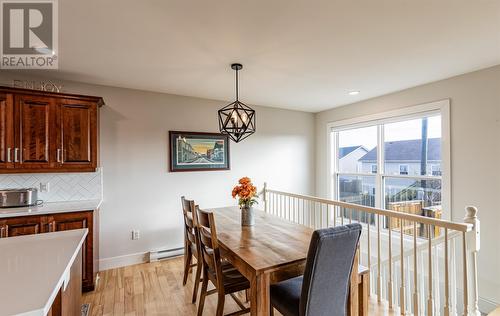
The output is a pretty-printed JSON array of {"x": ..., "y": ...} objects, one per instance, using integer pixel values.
[{"x": 29, "y": 34}]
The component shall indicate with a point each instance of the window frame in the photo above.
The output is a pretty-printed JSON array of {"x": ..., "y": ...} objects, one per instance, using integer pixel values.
[
  {"x": 441, "y": 107},
  {"x": 376, "y": 168}
]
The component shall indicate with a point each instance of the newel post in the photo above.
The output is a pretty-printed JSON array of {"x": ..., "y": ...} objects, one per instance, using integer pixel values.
[
  {"x": 264, "y": 198},
  {"x": 473, "y": 246}
]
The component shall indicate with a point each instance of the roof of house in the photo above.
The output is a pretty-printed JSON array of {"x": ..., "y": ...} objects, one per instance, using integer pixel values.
[
  {"x": 344, "y": 151},
  {"x": 407, "y": 150}
]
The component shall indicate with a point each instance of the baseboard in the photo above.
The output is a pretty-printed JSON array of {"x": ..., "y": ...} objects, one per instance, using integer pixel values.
[
  {"x": 123, "y": 261},
  {"x": 135, "y": 258},
  {"x": 486, "y": 305}
]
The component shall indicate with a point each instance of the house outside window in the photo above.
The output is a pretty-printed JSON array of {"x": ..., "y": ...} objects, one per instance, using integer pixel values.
[{"x": 401, "y": 168}]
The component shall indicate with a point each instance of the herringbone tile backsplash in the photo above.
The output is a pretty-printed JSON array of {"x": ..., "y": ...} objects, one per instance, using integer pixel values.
[{"x": 62, "y": 186}]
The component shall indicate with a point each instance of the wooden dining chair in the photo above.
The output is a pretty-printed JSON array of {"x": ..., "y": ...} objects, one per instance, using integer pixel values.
[
  {"x": 191, "y": 245},
  {"x": 324, "y": 287},
  {"x": 223, "y": 275}
]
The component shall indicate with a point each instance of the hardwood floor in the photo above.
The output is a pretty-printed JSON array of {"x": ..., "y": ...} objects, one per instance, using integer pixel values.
[{"x": 156, "y": 289}]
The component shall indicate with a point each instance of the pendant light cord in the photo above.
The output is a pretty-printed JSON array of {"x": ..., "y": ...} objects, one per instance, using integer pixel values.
[{"x": 236, "y": 84}]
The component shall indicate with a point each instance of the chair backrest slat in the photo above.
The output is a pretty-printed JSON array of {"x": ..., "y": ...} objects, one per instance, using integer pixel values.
[
  {"x": 328, "y": 270},
  {"x": 209, "y": 245},
  {"x": 190, "y": 226}
]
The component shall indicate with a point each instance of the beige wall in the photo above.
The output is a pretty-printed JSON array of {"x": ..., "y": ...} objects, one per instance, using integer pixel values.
[
  {"x": 475, "y": 153},
  {"x": 140, "y": 193}
]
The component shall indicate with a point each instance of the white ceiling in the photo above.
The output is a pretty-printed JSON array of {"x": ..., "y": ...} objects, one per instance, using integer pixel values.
[{"x": 303, "y": 55}]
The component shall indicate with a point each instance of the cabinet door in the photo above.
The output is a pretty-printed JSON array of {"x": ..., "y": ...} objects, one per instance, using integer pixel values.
[
  {"x": 3, "y": 230},
  {"x": 77, "y": 220},
  {"x": 19, "y": 226},
  {"x": 35, "y": 135},
  {"x": 70, "y": 221},
  {"x": 78, "y": 143},
  {"x": 6, "y": 131}
]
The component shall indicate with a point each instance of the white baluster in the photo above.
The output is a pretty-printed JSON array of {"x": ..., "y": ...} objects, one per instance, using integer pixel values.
[
  {"x": 389, "y": 284},
  {"x": 296, "y": 209},
  {"x": 335, "y": 215},
  {"x": 415, "y": 273},
  {"x": 436, "y": 278},
  {"x": 303, "y": 212},
  {"x": 379, "y": 281},
  {"x": 402, "y": 292},
  {"x": 422, "y": 283},
  {"x": 430, "y": 300},
  {"x": 453, "y": 279},
  {"x": 446, "y": 277},
  {"x": 369, "y": 257},
  {"x": 342, "y": 214},
  {"x": 464, "y": 263},
  {"x": 265, "y": 195},
  {"x": 276, "y": 202},
  {"x": 408, "y": 290},
  {"x": 473, "y": 246}
]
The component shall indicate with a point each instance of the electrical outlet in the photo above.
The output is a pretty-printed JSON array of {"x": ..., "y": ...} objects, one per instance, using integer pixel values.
[
  {"x": 44, "y": 187},
  {"x": 136, "y": 234}
]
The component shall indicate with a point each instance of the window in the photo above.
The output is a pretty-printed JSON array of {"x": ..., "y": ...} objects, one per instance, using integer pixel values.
[
  {"x": 403, "y": 169},
  {"x": 436, "y": 170},
  {"x": 398, "y": 161}
]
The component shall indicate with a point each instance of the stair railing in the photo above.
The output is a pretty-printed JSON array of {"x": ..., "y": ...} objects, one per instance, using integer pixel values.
[{"x": 431, "y": 262}]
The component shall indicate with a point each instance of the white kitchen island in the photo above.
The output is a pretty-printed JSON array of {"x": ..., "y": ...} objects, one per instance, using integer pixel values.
[{"x": 41, "y": 274}]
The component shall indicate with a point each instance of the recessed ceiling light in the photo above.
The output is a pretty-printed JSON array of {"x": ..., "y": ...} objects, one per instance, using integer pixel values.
[{"x": 353, "y": 92}]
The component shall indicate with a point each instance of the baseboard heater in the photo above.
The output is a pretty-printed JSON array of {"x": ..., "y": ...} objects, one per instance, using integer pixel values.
[{"x": 160, "y": 254}]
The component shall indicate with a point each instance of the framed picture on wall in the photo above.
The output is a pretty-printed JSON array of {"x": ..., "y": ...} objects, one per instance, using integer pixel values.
[{"x": 194, "y": 151}]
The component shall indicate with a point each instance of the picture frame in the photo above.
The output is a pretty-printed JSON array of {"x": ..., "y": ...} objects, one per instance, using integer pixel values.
[{"x": 198, "y": 151}]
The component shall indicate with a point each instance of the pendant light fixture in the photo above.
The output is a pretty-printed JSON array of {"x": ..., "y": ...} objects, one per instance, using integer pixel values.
[{"x": 237, "y": 119}]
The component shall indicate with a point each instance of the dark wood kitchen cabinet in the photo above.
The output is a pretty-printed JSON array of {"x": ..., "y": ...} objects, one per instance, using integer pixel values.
[
  {"x": 19, "y": 226},
  {"x": 6, "y": 130},
  {"x": 34, "y": 224},
  {"x": 48, "y": 132},
  {"x": 78, "y": 123},
  {"x": 35, "y": 139}
]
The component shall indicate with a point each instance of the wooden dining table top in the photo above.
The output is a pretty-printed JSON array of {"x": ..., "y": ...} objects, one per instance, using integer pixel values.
[{"x": 270, "y": 244}]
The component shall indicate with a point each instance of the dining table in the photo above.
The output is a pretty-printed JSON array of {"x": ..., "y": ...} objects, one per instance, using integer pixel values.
[{"x": 272, "y": 250}]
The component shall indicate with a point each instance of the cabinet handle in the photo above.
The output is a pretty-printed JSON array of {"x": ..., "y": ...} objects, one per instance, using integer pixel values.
[
  {"x": 9, "y": 158},
  {"x": 58, "y": 154},
  {"x": 16, "y": 154}
]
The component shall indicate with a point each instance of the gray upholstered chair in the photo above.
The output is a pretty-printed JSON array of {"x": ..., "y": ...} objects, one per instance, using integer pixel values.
[{"x": 324, "y": 287}]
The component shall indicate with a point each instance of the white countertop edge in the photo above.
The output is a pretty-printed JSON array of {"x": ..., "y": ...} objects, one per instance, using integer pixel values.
[
  {"x": 52, "y": 208},
  {"x": 62, "y": 278}
]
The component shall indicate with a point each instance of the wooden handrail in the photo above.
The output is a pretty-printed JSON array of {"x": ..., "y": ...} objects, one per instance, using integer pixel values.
[{"x": 462, "y": 227}]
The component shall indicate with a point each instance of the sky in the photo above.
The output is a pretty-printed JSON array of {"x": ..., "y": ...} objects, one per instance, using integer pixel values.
[
  {"x": 406, "y": 130},
  {"x": 201, "y": 145}
]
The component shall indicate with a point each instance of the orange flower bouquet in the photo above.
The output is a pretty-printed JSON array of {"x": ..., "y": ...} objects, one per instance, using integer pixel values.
[{"x": 246, "y": 193}]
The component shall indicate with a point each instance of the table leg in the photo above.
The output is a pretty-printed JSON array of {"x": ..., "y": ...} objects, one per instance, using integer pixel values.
[{"x": 259, "y": 295}]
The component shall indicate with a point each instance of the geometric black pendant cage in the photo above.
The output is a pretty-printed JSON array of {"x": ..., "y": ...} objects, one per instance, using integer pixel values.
[{"x": 237, "y": 119}]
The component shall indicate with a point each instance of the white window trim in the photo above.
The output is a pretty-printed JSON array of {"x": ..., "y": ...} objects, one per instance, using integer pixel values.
[{"x": 441, "y": 107}]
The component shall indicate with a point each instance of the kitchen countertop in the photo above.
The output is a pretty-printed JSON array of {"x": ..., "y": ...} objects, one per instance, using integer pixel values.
[
  {"x": 51, "y": 208},
  {"x": 34, "y": 267}
]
